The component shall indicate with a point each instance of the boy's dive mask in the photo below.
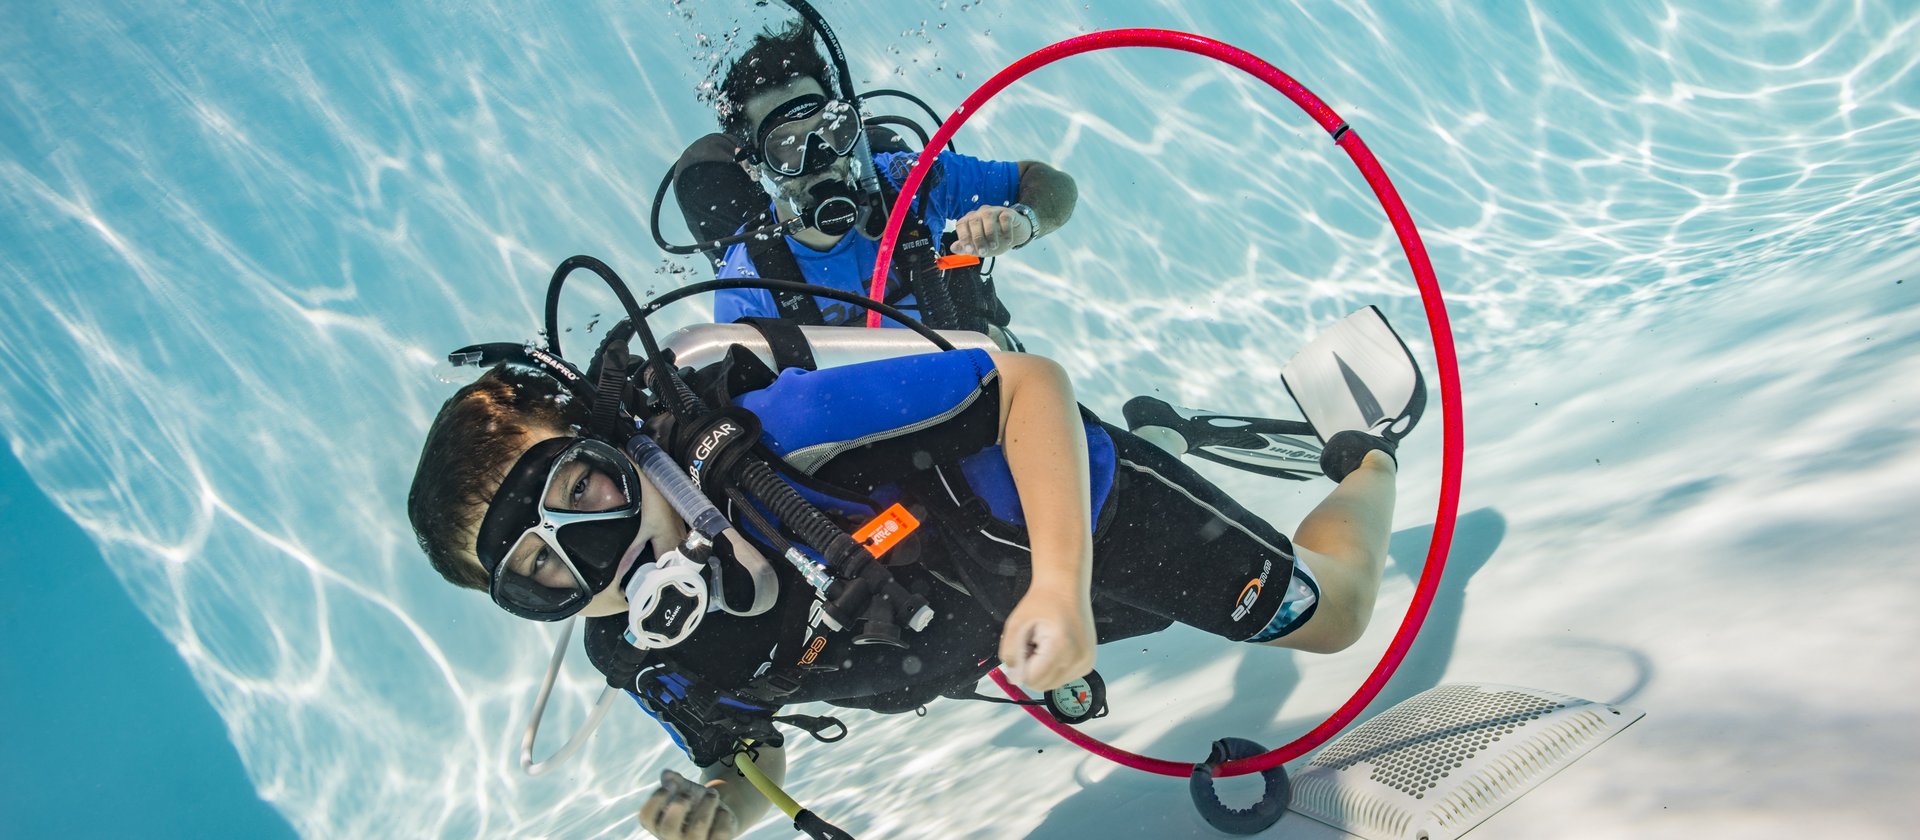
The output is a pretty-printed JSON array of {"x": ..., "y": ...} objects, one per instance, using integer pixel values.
[
  {"x": 564, "y": 524},
  {"x": 561, "y": 529},
  {"x": 555, "y": 532},
  {"x": 805, "y": 136}
]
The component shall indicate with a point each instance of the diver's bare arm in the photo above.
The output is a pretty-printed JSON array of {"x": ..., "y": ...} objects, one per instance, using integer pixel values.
[
  {"x": 1344, "y": 541},
  {"x": 1046, "y": 449},
  {"x": 738, "y": 794},
  {"x": 1050, "y": 192}
]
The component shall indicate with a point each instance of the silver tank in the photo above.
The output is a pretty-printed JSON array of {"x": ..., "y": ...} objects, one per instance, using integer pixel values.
[{"x": 703, "y": 344}]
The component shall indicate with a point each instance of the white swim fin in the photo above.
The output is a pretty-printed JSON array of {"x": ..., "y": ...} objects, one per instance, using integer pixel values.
[{"x": 1357, "y": 375}]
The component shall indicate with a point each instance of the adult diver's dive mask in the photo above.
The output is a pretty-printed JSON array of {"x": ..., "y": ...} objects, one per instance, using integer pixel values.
[
  {"x": 555, "y": 532},
  {"x": 805, "y": 135}
]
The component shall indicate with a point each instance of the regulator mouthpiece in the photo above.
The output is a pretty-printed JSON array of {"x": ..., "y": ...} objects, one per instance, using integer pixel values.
[{"x": 832, "y": 208}]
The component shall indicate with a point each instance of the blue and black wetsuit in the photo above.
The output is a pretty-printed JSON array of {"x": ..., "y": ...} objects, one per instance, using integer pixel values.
[{"x": 923, "y": 431}]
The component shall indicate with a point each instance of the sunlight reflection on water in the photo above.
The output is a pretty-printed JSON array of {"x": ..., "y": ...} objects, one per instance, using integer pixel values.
[{"x": 239, "y": 240}]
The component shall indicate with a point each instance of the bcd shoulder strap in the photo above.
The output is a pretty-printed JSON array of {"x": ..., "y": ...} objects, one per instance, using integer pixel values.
[
  {"x": 773, "y": 259},
  {"x": 788, "y": 345}
]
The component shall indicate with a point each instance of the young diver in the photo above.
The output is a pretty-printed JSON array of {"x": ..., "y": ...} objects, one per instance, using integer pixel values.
[
  {"x": 1026, "y": 531},
  {"x": 783, "y": 124}
]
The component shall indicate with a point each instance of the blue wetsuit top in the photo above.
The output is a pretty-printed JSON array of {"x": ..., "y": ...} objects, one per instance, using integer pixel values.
[
  {"x": 868, "y": 425},
  {"x": 962, "y": 184}
]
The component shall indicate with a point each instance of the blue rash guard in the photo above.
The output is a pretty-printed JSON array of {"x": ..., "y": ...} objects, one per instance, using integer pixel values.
[{"x": 963, "y": 185}]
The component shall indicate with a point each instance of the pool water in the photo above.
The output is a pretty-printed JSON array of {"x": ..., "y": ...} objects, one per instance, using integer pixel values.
[{"x": 1676, "y": 242}]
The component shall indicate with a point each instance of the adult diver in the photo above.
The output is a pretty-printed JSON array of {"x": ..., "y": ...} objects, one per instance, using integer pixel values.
[{"x": 796, "y": 185}]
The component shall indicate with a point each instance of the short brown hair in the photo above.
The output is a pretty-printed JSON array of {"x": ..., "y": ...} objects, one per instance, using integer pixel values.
[
  {"x": 773, "y": 57},
  {"x": 469, "y": 448}
]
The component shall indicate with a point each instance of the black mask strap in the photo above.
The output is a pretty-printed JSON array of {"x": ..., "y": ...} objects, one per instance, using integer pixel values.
[{"x": 492, "y": 353}]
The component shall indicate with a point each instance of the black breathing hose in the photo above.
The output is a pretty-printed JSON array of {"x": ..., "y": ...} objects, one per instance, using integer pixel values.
[
  {"x": 785, "y": 228},
  {"x": 929, "y": 286},
  {"x": 865, "y": 587}
]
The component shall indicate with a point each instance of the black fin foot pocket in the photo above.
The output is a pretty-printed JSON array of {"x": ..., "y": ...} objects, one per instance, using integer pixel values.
[{"x": 1345, "y": 450}]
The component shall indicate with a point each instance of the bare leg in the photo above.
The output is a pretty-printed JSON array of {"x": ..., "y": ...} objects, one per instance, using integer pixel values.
[{"x": 1344, "y": 542}]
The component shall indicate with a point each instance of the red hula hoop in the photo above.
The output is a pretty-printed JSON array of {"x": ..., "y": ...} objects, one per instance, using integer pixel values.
[{"x": 1436, "y": 310}]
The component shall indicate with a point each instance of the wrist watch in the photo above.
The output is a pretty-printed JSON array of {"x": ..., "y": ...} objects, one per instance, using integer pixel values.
[{"x": 1033, "y": 223}]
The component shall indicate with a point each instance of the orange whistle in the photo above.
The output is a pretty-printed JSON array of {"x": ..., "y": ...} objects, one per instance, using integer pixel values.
[
  {"x": 953, "y": 261},
  {"x": 886, "y": 530}
]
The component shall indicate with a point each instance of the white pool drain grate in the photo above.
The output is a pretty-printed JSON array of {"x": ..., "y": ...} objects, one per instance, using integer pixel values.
[{"x": 1439, "y": 763}]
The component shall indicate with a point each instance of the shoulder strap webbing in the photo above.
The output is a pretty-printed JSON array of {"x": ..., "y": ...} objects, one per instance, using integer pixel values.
[
  {"x": 917, "y": 258},
  {"x": 773, "y": 260},
  {"x": 789, "y": 345}
]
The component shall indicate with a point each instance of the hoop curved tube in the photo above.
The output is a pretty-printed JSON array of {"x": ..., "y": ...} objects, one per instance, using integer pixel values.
[{"x": 1452, "y": 424}]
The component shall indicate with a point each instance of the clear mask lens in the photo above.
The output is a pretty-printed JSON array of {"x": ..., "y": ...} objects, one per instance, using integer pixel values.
[
  {"x": 588, "y": 479},
  {"x": 835, "y": 126},
  {"x": 582, "y": 519},
  {"x": 539, "y": 580}
]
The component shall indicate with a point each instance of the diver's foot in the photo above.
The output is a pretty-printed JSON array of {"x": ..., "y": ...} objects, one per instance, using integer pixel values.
[
  {"x": 1262, "y": 445},
  {"x": 1345, "y": 451}
]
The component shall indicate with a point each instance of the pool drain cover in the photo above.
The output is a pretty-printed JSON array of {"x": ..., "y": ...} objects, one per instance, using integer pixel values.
[{"x": 1439, "y": 763}]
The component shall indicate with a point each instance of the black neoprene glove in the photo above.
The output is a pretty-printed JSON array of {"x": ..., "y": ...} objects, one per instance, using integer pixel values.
[{"x": 1345, "y": 450}]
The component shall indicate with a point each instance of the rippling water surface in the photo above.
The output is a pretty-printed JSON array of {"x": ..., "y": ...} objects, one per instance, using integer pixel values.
[{"x": 1676, "y": 242}]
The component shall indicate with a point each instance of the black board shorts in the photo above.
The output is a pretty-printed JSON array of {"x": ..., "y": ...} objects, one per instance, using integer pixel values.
[
  {"x": 1170, "y": 546},
  {"x": 1175, "y": 547}
]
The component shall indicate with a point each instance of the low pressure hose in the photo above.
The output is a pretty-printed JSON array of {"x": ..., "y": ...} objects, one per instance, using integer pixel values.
[
  {"x": 929, "y": 285},
  {"x": 803, "y": 819},
  {"x": 867, "y": 580}
]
